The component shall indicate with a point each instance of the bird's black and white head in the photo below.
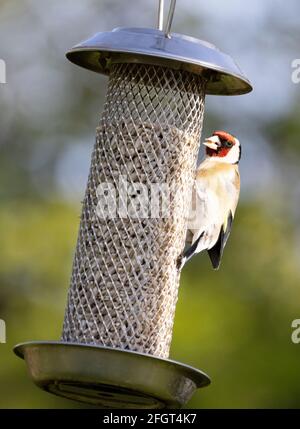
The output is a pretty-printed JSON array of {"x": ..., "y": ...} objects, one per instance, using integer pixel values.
[{"x": 223, "y": 147}]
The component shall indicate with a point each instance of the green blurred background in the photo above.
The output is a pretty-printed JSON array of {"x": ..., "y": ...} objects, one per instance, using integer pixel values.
[{"x": 234, "y": 324}]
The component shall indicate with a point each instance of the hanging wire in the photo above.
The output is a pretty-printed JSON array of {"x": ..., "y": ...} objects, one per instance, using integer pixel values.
[
  {"x": 160, "y": 21},
  {"x": 170, "y": 19}
]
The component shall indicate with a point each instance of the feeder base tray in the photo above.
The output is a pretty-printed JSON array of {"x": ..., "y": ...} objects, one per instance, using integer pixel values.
[{"x": 109, "y": 377}]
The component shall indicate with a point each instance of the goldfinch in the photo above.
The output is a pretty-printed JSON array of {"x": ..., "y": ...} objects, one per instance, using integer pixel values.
[{"x": 215, "y": 197}]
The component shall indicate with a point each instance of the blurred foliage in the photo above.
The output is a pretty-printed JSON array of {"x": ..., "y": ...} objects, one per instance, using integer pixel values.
[
  {"x": 235, "y": 324},
  {"x": 284, "y": 132},
  {"x": 37, "y": 244},
  {"x": 238, "y": 319}
]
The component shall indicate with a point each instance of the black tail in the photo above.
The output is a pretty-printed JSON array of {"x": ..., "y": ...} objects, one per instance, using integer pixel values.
[
  {"x": 216, "y": 252},
  {"x": 188, "y": 253}
]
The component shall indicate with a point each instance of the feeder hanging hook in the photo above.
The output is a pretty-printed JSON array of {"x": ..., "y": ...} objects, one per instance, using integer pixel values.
[
  {"x": 170, "y": 19},
  {"x": 160, "y": 20}
]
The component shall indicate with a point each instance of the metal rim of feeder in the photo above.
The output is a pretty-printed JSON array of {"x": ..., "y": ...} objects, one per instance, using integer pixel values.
[{"x": 110, "y": 377}]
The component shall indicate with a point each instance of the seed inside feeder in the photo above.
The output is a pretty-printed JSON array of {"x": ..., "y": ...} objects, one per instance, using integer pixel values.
[{"x": 128, "y": 260}]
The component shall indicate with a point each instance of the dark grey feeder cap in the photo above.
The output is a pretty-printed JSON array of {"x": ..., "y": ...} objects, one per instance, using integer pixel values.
[{"x": 152, "y": 46}]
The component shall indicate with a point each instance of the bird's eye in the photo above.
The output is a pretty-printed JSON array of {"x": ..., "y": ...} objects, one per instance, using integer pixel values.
[{"x": 228, "y": 143}]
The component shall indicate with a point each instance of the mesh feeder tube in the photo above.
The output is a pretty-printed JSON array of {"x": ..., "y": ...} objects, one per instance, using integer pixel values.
[
  {"x": 125, "y": 281},
  {"x": 121, "y": 303}
]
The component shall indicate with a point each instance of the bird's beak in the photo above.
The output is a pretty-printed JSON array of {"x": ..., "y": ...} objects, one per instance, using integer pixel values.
[{"x": 212, "y": 142}]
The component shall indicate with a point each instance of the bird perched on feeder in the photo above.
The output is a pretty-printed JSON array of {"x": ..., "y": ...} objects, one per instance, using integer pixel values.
[{"x": 215, "y": 197}]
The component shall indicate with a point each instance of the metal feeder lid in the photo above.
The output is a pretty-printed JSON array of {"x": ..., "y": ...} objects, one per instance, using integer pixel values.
[{"x": 152, "y": 46}]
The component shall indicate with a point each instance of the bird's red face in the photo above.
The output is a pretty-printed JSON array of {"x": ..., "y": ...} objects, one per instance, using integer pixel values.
[{"x": 223, "y": 146}]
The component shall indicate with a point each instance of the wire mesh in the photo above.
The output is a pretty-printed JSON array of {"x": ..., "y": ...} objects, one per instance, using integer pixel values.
[{"x": 124, "y": 284}]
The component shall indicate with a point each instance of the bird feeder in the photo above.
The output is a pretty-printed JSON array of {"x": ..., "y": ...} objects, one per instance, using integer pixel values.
[{"x": 119, "y": 318}]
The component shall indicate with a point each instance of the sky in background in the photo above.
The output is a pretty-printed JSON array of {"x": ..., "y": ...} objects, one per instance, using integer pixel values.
[{"x": 256, "y": 37}]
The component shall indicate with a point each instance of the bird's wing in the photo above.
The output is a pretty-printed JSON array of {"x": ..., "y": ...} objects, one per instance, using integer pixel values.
[
  {"x": 193, "y": 248},
  {"x": 216, "y": 252},
  {"x": 216, "y": 195}
]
